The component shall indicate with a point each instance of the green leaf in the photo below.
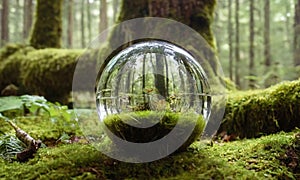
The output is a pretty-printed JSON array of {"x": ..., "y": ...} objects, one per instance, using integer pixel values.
[{"x": 10, "y": 103}]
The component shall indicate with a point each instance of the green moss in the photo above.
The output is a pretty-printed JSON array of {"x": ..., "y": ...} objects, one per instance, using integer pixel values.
[
  {"x": 49, "y": 73},
  {"x": 246, "y": 159},
  {"x": 230, "y": 85},
  {"x": 126, "y": 126},
  {"x": 47, "y": 28},
  {"x": 259, "y": 112},
  {"x": 11, "y": 57},
  {"x": 46, "y": 72}
]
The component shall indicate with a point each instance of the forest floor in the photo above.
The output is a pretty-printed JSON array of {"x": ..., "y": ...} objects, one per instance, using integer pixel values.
[{"x": 68, "y": 156}]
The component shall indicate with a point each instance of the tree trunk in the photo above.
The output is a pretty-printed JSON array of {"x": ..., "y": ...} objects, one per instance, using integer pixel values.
[
  {"x": 70, "y": 24},
  {"x": 267, "y": 36},
  {"x": 230, "y": 32},
  {"x": 251, "y": 48},
  {"x": 297, "y": 35},
  {"x": 4, "y": 22},
  {"x": 47, "y": 30},
  {"x": 82, "y": 25},
  {"x": 198, "y": 14},
  {"x": 103, "y": 24},
  {"x": 89, "y": 20},
  {"x": 237, "y": 44},
  {"x": 17, "y": 15},
  {"x": 115, "y": 9},
  {"x": 27, "y": 18}
]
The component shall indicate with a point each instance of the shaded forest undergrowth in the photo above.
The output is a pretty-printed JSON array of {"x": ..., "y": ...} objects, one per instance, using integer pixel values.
[
  {"x": 66, "y": 153},
  {"x": 271, "y": 116}
]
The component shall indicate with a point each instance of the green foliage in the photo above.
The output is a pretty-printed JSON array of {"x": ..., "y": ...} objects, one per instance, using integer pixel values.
[
  {"x": 47, "y": 29},
  {"x": 44, "y": 120},
  {"x": 126, "y": 126},
  {"x": 254, "y": 113},
  {"x": 10, "y": 146}
]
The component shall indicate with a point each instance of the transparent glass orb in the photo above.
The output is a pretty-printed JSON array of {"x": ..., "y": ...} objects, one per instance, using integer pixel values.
[{"x": 152, "y": 76}]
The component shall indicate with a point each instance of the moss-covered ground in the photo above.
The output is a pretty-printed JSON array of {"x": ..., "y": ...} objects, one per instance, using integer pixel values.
[
  {"x": 269, "y": 157},
  {"x": 262, "y": 158}
]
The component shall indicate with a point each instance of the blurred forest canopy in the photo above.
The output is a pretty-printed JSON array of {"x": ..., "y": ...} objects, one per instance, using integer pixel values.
[{"x": 258, "y": 42}]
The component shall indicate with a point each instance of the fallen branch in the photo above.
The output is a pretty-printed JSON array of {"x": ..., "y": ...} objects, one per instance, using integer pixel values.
[{"x": 32, "y": 144}]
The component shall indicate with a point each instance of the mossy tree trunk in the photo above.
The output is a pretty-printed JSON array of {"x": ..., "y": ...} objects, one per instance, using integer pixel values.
[
  {"x": 198, "y": 14},
  {"x": 47, "y": 30}
]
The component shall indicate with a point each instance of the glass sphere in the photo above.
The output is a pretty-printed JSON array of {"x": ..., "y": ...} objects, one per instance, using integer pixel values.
[{"x": 152, "y": 77}]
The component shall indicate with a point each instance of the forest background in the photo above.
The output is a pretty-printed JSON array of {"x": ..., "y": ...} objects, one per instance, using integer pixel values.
[{"x": 257, "y": 41}]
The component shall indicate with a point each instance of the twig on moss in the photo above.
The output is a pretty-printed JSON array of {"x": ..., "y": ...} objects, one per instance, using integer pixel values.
[{"x": 32, "y": 144}]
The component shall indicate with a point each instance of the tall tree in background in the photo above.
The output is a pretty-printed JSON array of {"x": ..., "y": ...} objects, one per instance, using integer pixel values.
[
  {"x": 267, "y": 54},
  {"x": 115, "y": 9},
  {"x": 27, "y": 18},
  {"x": 4, "y": 22},
  {"x": 70, "y": 24},
  {"x": 89, "y": 20},
  {"x": 198, "y": 14},
  {"x": 103, "y": 24},
  {"x": 251, "y": 48},
  {"x": 230, "y": 32},
  {"x": 237, "y": 44},
  {"x": 47, "y": 30},
  {"x": 82, "y": 25},
  {"x": 17, "y": 30},
  {"x": 297, "y": 35}
]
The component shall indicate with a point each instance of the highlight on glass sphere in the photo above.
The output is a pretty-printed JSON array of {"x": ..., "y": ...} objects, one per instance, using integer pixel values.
[{"x": 148, "y": 88}]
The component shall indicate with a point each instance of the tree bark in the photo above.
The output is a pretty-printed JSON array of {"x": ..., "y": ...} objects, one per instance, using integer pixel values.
[
  {"x": 251, "y": 48},
  {"x": 267, "y": 36},
  {"x": 82, "y": 25},
  {"x": 237, "y": 44},
  {"x": 297, "y": 35},
  {"x": 89, "y": 20},
  {"x": 230, "y": 32},
  {"x": 27, "y": 18},
  {"x": 115, "y": 9},
  {"x": 5, "y": 22},
  {"x": 198, "y": 14},
  {"x": 47, "y": 30},
  {"x": 103, "y": 24},
  {"x": 17, "y": 30},
  {"x": 70, "y": 24}
]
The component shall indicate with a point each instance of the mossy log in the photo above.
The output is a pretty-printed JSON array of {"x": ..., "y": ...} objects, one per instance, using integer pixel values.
[
  {"x": 45, "y": 72},
  {"x": 259, "y": 112}
]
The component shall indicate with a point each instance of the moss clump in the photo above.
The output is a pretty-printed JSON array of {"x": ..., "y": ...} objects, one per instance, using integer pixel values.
[
  {"x": 45, "y": 72},
  {"x": 47, "y": 28},
  {"x": 255, "y": 113},
  {"x": 127, "y": 126},
  {"x": 230, "y": 86},
  {"x": 11, "y": 58},
  {"x": 49, "y": 73}
]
